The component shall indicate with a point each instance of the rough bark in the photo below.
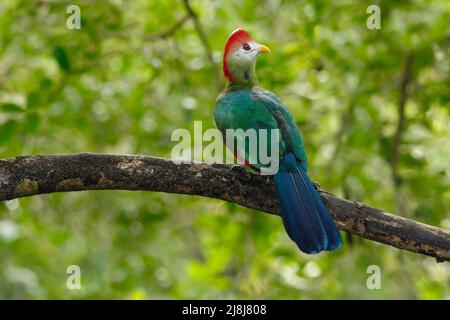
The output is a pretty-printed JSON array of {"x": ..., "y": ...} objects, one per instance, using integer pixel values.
[{"x": 31, "y": 175}]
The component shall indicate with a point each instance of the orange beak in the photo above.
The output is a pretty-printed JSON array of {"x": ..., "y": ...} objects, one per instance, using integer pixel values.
[{"x": 263, "y": 48}]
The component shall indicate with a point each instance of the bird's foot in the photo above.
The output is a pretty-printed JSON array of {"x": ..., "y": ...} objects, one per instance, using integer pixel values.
[
  {"x": 319, "y": 188},
  {"x": 237, "y": 167},
  {"x": 316, "y": 185},
  {"x": 244, "y": 170},
  {"x": 251, "y": 170}
]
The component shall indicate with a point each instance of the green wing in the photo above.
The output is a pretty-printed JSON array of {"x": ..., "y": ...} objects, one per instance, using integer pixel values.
[{"x": 258, "y": 109}]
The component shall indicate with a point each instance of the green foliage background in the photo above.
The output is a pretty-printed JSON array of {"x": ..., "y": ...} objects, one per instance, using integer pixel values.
[{"x": 116, "y": 87}]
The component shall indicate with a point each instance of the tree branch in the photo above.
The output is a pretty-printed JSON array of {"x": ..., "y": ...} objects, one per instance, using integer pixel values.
[
  {"x": 403, "y": 97},
  {"x": 192, "y": 15},
  {"x": 203, "y": 38},
  {"x": 171, "y": 30},
  {"x": 397, "y": 138},
  {"x": 31, "y": 175}
]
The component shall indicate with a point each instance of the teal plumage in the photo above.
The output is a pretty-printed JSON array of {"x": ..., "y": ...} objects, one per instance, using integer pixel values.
[
  {"x": 256, "y": 108},
  {"x": 244, "y": 105}
]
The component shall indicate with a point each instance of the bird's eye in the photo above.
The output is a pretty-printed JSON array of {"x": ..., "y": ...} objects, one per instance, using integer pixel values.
[{"x": 246, "y": 46}]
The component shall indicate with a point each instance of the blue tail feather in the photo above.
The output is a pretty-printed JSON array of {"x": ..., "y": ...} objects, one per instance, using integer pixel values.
[{"x": 306, "y": 220}]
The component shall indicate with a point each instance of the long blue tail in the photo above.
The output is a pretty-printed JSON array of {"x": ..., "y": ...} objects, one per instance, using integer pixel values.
[{"x": 305, "y": 217}]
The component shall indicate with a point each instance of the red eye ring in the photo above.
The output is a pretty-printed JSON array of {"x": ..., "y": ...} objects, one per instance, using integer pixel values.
[{"x": 246, "y": 46}]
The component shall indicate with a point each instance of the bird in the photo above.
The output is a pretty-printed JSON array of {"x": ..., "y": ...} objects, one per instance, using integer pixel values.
[{"x": 245, "y": 105}]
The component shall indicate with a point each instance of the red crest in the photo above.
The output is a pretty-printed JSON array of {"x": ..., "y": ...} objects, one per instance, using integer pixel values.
[{"x": 237, "y": 37}]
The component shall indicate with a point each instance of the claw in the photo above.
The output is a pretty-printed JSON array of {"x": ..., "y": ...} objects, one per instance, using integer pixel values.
[{"x": 238, "y": 167}]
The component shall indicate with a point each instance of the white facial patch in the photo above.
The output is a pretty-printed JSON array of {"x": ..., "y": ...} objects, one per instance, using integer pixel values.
[{"x": 243, "y": 55}]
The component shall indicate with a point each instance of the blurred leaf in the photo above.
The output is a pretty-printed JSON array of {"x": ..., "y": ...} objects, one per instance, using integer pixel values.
[
  {"x": 61, "y": 57},
  {"x": 11, "y": 107}
]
